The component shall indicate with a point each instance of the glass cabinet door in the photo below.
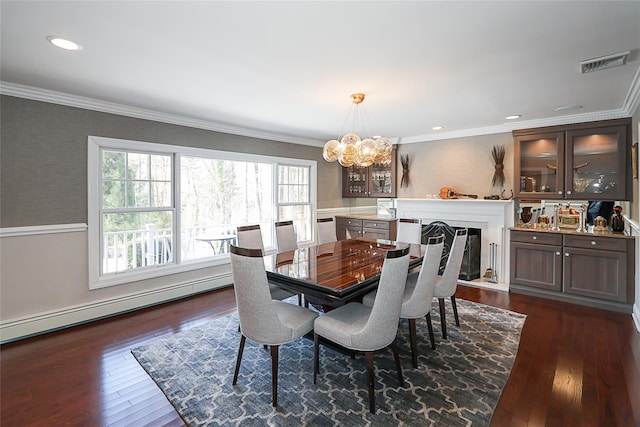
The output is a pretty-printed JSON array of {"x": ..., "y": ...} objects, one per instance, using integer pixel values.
[
  {"x": 380, "y": 181},
  {"x": 596, "y": 163},
  {"x": 354, "y": 182},
  {"x": 539, "y": 166}
]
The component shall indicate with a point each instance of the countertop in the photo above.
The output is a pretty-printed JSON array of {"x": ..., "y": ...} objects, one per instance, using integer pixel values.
[
  {"x": 607, "y": 233},
  {"x": 369, "y": 217}
]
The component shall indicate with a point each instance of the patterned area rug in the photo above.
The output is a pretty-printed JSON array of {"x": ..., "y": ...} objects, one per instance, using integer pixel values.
[{"x": 458, "y": 384}]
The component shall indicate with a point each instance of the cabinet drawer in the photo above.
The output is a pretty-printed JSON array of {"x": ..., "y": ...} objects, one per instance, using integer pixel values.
[
  {"x": 348, "y": 222},
  {"x": 367, "y": 223},
  {"x": 535, "y": 237},
  {"x": 592, "y": 242}
]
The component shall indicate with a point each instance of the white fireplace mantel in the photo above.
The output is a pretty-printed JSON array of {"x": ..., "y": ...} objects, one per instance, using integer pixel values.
[{"x": 492, "y": 217}]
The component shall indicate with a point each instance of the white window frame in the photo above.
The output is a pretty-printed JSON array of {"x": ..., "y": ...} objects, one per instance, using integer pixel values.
[
  {"x": 94, "y": 195},
  {"x": 310, "y": 203}
]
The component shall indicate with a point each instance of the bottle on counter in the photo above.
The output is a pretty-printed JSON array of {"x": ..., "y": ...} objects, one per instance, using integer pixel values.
[{"x": 617, "y": 220}]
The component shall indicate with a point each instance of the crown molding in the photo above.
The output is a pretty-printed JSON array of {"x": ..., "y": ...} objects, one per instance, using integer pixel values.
[
  {"x": 44, "y": 95},
  {"x": 525, "y": 124},
  {"x": 11, "y": 89},
  {"x": 629, "y": 107},
  {"x": 633, "y": 96}
]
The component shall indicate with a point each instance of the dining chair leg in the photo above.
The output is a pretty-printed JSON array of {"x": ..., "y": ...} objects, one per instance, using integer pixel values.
[
  {"x": 414, "y": 343},
  {"x": 455, "y": 309},
  {"x": 239, "y": 359},
  {"x": 396, "y": 356},
  {"x": 316, "y": 357},
  {"x": 274, "y": 375},
  {"x": 370, "y": 374},
  {"x": 443, "y": 320},
  {"x": 432, "y": 338}
]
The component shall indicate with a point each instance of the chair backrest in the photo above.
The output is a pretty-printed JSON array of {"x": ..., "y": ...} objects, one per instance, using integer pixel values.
[
  {"x": 286, "y": 236},
  {"x": 250, "y": 237},
  {"x": 418, "y": 302},
  {"x": 256, "y": 310},
  {"x": 382, "y": 326},
  {"x": 409, "y": 231},
  {"x": 449, "y": 279},
  {"x": 326, "y": 228}
]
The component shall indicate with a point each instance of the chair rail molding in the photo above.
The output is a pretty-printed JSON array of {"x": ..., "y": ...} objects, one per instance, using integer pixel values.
[{"x": 41, "y": 229}]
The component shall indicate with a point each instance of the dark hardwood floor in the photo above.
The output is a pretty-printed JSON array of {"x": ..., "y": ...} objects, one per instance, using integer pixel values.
[{"x": 575, "y": 366}]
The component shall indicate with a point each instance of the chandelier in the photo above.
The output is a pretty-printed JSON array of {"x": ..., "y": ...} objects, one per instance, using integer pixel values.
[{"x": 350, "y": 150}]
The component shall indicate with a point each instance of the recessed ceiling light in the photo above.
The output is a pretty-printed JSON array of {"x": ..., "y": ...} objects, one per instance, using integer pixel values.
[
  {"x": 437, "y": 127},
  {"x": 63, "y": 43},
  {"x": 513, "y": 117},
  {"x": 566, "y": 108}
]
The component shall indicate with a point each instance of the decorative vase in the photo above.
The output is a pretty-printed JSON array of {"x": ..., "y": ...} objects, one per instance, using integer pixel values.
[
  {"x": 617, "y": 220},
  {"x": 526, "y": 215}
]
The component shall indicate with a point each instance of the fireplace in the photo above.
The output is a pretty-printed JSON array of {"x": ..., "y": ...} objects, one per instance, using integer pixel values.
[
  {"x": 470, "y": 268},
  {"x": 492, "y": 219}
]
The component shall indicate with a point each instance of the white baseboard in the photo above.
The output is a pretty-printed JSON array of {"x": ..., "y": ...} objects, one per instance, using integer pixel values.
[
  {"x": 636, "y": 316},
  {"x": 24, "y": 327}
]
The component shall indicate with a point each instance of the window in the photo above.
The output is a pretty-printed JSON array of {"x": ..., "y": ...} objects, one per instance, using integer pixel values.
[
  {"x": 137, "y": 210},
  {"x": 158, "y": 209},
  {"x": 294, "y": 201}
]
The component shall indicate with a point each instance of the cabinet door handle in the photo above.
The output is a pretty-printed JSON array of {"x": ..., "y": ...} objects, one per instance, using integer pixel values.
[
  {"x": 566, "y": 254},
  {"x": 593, "y": 243},
  {"x": 535, "y": 237},
  {"x": 559, "y": 192},
  {"x": 569, "y": 192},
  {"x": 558, "y": 253}
]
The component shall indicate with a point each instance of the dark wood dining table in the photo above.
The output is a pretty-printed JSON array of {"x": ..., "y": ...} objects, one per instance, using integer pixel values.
[{"x": 336, "y": 272}]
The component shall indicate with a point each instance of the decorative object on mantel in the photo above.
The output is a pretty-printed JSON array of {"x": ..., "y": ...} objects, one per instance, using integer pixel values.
[
  {"x": 498, "y": 157},
  {"x": 452, "y": 193},
  {"x": 350, "y": 150},
  {"x": 404, "y": 159}
]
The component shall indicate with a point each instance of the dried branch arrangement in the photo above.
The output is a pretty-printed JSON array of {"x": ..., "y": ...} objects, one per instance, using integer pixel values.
[
  {"x": 498, "y": 157},
  {"x": 404, "y": 159}
]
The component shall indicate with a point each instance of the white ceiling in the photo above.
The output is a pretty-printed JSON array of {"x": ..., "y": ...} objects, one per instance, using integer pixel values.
[{"x": 285, "y": 70}]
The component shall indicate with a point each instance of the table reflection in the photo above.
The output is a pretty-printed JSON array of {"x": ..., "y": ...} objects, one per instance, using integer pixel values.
[{"x": 338, "y": 269}]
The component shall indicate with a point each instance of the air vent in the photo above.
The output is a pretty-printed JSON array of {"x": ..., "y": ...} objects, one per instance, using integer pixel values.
[{"x": 604, "y": 62}]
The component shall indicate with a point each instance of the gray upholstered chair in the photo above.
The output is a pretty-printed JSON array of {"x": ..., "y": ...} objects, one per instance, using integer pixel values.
[
  {"x": 250, "y": 237},
  {"x": 286, "y": 237},
  {"x": 409, "y": 231},
  {"x": 262, "y": 319},
  {"x": 447, "y": 283},
  {"x": 418, "y": 294},
  {"x": 360, "y": 328},
  {"x": 326, "y": 228}
]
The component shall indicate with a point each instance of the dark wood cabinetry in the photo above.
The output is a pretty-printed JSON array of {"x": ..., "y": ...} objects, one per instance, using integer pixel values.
[
  {"x": 583, "y": 268},
  {"x": 586, "y": 161},
  {"x": 597, "y": 267},
  {"x": 375, "y": 228},
  {"x": 536, "y": 260},
  {"x": 377, "y": 180}
]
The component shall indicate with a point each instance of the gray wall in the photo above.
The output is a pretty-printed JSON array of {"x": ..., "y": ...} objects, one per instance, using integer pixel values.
[{"x": 43, "y": 153}]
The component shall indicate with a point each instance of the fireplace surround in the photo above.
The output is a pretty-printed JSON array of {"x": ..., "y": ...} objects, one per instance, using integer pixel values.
[{"x": 492, "y": 217}]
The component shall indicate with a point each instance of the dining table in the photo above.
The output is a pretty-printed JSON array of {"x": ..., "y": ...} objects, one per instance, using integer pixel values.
[{"x": 336, "y": 272}]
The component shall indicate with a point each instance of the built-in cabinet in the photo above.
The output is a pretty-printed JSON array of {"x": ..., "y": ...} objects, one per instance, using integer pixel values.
[
  {"x": 377, "y": 180},
  {"x": 586, "y": 161},
  {"x": 376, "y": 228},
  {"x": 595, "y": 270}
]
